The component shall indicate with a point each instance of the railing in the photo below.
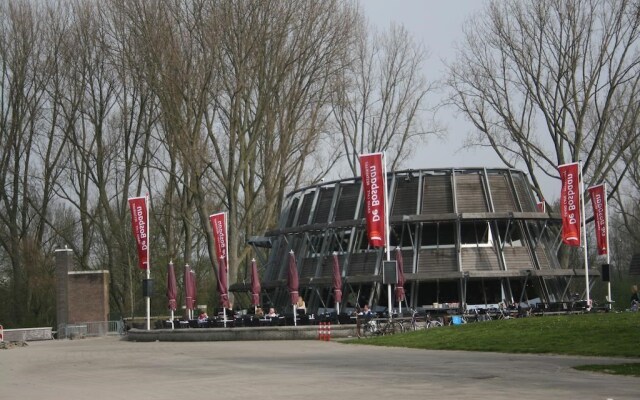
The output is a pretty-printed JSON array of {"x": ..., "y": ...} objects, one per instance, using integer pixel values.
[{"x": 92, "y": 329}]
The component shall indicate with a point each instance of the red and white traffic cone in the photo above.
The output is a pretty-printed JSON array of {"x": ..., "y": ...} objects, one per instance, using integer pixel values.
[{"x": 328, "y": 332}]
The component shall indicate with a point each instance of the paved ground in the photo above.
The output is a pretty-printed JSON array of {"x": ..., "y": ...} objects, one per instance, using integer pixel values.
[{"x": 110, "y": 368}]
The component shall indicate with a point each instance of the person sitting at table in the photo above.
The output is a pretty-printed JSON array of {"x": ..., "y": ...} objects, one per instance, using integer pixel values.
[
  {"x": 259, "y": 312},
  {"x": 272, "y": 313},
  {"x": 366, "y": 312},
  {"x": 203, "y": 318},
  {"x": 300, "y": 305}
]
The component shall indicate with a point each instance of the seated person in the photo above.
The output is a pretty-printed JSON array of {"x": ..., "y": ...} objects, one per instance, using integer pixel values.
[
  {"x": 300, "y": 305},
  {"x": 365, "y": 312},
  {"x": 272, "y": 313},
  {"x": 259, "y": 312},
  {"x": 203, "y": 318}
]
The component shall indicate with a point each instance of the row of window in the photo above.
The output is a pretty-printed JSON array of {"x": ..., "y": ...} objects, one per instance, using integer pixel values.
[{"x": 431, "y": 235}]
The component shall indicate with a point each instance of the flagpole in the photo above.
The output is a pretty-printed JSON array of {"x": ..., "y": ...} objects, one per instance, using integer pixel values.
[
  {"x": 226, "y": 235},
  {"x": 223, "y": 264},
  {"x": 387, "y": 239},
  {"x": 171, "y": 309},
  {"x": 606, "y": 219},
  {"x": 584, "y": 237},
  {"x": 148, "y": 298}
]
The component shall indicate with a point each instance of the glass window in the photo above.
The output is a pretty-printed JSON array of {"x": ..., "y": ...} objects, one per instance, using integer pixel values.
[
  {"x": 510, "y": 233},
  {"x": 475, "y": 233},
  {"x": 401, "y": 235},
  {"x": 339, "y": 241},
  {"x": 315, "y": 244},
  {"x": 438, "y": 234}
]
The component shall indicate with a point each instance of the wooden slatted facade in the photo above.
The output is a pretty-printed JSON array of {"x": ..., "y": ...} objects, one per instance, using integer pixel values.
[
  {"x": 470, "y": 193},
  {"x": 305, "y": 210},
  {"x": 437, "y": 261},
  {"x": 501, "y": 193},
  {"x": 431, "y": 212},
  {"x": 347, "y": 201},
  {"x": 324, "y": 205},
  {"x": 362, "y": 264},
  {"x": 437, "y": 196},
  {"x": 405, "y": 199}
]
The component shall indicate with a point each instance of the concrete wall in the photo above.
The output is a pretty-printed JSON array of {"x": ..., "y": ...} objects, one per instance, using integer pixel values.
[{"x": 308, "y": 332}]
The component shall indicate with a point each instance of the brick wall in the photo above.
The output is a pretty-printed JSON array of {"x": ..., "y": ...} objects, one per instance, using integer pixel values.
[{"x": 88, "y": 296}]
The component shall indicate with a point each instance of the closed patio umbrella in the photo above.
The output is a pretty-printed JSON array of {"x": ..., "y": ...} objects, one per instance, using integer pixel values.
[
  {"x": 337, "y": 282},
  {"x": 400, "y": 286},
  {"x": 172, "y": 290},
  {"x": 292, "y": 283}
]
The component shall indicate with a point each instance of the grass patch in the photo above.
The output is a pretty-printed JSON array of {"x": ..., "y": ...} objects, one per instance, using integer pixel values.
[
  {"x": 601, "y": 334},
  {"x": 632, "y": 369}
]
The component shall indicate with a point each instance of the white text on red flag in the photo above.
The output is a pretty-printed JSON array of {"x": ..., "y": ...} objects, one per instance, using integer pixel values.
[
  {"x": 599, "y": 204},
  {"x": 570, "y": 203},
  {"x": 139, "y": 223},
  {"x": 373, "y": 183}
]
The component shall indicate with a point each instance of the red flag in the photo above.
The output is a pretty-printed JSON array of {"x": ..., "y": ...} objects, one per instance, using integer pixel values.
[
  {"x": 373, "y": 182},
  {"x": 219, "y": 225},
  {"x": 599, "y": 204},
  {"x": 255, "y": 284},
  {"x": 140, "y": 224},
  {"x": 400, "y": 268},
  {"x": 337, "y": 280},
  {"x": 171, "y": 287},
  {"x": 570, "y": 203},
  {"x": 292, "y": 281}
]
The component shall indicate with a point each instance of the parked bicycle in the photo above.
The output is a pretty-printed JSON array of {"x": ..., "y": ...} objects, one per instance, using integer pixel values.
[
  {"x": 431, "y": 322},
  {"x": 418, "y": 322},
  {"x": 381, "y": 326}
]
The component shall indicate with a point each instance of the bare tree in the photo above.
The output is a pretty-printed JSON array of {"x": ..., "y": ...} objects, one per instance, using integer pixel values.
[
  {"x": 379, "y": 100},
  {"x": 30, "y": 152},
  {"x": 276, "y": 62},
  {"x": 541, "y": 81}
]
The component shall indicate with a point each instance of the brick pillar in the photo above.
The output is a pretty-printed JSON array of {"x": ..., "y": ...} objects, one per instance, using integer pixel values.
[{"x": 63, "y": 266}]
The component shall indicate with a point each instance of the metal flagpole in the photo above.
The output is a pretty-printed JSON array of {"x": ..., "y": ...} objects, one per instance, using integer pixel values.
[
  {"x": 387, "y": 239},
  {"x": 226, "y": 264},
  {"x": 148, "y": 298},
  {"x": 584, "y": 236},
  {"x": 223, "y": 264},
  {"x": 172, "y": 315},
  {"x": 606, "y": 219}
]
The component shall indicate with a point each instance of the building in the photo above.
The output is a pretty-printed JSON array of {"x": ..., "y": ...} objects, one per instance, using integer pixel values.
[{"x": 468, "y": 237}]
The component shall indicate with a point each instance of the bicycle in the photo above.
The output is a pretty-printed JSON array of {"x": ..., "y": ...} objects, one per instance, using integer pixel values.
[
  {"x": 414, "y": 324},
  {"x": 379, "y": 327},
  {"x": 431, "y": 323}
]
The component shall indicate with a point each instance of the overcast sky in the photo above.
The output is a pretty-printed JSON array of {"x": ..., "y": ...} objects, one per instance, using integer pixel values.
[{"x": 438, "y": 25}]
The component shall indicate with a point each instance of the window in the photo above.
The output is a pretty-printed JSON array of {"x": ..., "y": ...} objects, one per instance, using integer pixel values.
[
  {"x": 475, "y": 233},
  {"x": 438, "y": 234},
  {"x": 339, "y": 241},
  {"x": 510, "y": 233},
  {"x": 401, "y": 235},
  {"x": 315, "y": 244}
]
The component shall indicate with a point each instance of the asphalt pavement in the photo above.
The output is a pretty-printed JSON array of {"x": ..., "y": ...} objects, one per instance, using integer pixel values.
[{"x": 111, "y": 368}]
